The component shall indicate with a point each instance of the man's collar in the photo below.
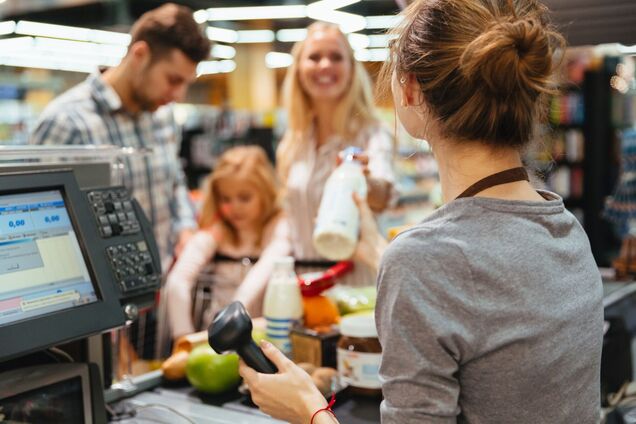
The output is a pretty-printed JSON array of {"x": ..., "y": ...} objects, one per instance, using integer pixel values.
[{"x": 104, "y": 94}]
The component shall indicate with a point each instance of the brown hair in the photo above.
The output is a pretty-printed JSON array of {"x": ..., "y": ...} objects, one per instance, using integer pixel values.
[
  {"x": 354, "y": 112},
  {"x": 484, "y": 66},
  {"x": 171, "y": 27},
  {"x": 245, "y": 163}
]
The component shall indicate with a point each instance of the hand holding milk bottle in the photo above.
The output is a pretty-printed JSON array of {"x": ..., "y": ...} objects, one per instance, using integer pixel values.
[{"x": 338, "y": 222}]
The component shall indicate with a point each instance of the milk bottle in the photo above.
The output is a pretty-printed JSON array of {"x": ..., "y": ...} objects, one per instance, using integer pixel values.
[
  {"x": 338, "y": 223},
  {"x": 283, "y": 305}
]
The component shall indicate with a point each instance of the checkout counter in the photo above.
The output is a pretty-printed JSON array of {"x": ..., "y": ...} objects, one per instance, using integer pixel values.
[{"x": 79, "y": 260}]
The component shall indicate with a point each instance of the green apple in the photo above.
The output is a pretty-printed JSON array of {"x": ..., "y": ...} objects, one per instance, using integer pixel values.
[
  {"x": 259, "y": 334},
  {"x": 210, "y": 372}
]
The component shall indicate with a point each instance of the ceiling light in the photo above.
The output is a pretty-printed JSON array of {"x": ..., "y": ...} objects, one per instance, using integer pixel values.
[
  {"x": 334, "y": 4},
  {"x": 208, "y": 67},
  {"x": 71, "y": 33},
  {"x": 258, "y": 12},
  {"x": 47, "y": 62},
  {"x": 380, "y": 40},
  {"x": 291, "y": 35},
  {"x": 200, "y": 16},
  {"x": 7, "y": 27},
  {"x": 626, "y": 50},
  {"x": 372, "y": 55},
  {"x": 9, "y": 45},
  {"x": 223, "y": 52},
  {"x": 256, "y": 36},
  {"x": 384, "y": 21},
  {"x": 358, "y": 41},
  {"x": 221, "y": 34},
  {"x": 348, "y": 22},
  {"x": 278, "y": 60},
  {"x": 108, "y": 37},
  {"x": 103, "y": 54}
]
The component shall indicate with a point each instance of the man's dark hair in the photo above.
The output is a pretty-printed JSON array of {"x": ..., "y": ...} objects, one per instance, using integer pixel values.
[{"x": 171, "y": 27}]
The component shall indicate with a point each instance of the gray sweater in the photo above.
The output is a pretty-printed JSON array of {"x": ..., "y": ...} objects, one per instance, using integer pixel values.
[{"x": 490, "y": 311}]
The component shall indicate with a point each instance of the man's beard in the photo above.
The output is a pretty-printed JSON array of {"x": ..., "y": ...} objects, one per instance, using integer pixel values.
[{"x": 145, "y": 104}]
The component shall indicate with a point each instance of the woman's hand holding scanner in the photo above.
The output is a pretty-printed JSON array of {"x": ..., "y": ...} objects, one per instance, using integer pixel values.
[
  {"x": 289, "y": 395},
  {"x": 231, "y": 330},
  {"x": 371, "y": 245}
]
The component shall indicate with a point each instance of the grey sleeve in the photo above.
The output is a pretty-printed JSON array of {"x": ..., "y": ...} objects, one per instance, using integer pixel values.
[{"x": 423, "y": 339}]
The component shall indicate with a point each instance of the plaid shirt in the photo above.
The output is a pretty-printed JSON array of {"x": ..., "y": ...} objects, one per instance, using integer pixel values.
[{"x": 92, "y": 113}]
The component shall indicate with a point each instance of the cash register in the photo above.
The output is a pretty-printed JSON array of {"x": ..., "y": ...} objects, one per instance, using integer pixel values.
[{"x": 72, "y": 263}]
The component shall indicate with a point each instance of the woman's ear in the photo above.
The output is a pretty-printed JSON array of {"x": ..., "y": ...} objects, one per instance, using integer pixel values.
[{"x": 411, "y": 93}]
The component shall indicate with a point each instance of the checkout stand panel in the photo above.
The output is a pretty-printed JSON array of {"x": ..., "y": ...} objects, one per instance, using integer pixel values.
[{"x": 228, "y": 408}]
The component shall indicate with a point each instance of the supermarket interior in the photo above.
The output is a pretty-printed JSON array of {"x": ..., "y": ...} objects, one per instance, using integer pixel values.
[{"x": 177, "y": 183}]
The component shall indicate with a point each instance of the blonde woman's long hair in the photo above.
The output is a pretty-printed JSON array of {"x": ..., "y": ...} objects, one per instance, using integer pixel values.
[
  {"x": 249, "y": 164},
  {"x": 354, "y": 112}
]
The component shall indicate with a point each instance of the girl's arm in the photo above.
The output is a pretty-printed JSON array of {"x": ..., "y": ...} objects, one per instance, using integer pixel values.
[
  {"x": 182, "y": 278},
  {"x": 277, "y": 243}
]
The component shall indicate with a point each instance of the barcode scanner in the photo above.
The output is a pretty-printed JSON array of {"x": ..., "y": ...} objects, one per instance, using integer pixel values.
[{"x": 231, "y": 330}]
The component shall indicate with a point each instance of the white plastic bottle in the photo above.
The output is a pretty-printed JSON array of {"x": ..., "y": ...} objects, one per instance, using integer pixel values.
[
  {"x": 283, "y": 305},
  {"x": 338, "y": 222}
]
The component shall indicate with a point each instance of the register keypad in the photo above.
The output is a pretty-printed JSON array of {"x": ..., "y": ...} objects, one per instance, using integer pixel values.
[
  {"x": 133, "y": 266},
  {"x": 114, "y": 212}
]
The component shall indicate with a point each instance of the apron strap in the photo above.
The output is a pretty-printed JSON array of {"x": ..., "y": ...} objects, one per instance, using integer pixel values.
[{"x": 503, "y": 177}]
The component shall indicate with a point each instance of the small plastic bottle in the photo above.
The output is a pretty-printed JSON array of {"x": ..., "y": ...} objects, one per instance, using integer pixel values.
[
  {"x": 283, "y": 306},
  {"x": 338, "y": 223}
]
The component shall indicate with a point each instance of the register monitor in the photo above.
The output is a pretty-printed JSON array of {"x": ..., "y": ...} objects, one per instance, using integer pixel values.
[{"x": 54, "y": 285}]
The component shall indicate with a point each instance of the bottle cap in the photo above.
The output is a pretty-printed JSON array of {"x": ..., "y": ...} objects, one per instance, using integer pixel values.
[
  {"x": 349, "y": 153},
  {"x": 358, "y": 325}
]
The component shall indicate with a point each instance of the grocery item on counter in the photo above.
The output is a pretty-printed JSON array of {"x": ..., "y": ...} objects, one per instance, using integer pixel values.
[
  {"x": 353, "y": 299},
  {"x": 210, "y": 372},
  {"x": 323, "y": 377},
  {"x": 174, "y": 367},
  {"x": 314, "y": 283},
  {"x": 320, "y": 312},
  {"x": 316, "y": 347},
  {"x": 359, "y": 354},
  {"x": 338, "y": 222},
  {"x": 283, "y": 306}
]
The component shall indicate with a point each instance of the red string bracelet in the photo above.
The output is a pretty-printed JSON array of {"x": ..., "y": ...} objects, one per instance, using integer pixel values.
[{"x": 326, "y": 408}]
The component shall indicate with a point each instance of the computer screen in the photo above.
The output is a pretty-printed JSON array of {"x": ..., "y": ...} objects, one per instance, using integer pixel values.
[
  {"x": 42, "y": 269},
  {"x": 56, "y": 283}
]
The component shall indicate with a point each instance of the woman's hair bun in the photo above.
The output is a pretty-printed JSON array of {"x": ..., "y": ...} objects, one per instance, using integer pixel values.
[{"x": 510, "y": 58}]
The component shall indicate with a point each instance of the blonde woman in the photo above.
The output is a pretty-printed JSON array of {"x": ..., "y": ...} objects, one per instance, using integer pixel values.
[
  {"x": 240, "y": 220},
  {"x": 329, "y": 104},
  {"x": 490, "y": 310}
]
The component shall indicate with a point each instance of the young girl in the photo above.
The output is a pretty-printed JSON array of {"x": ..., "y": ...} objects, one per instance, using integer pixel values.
[{"x": 239, "y": 222}]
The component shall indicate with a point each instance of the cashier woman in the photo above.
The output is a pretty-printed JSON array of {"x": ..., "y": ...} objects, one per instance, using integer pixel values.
[{"x": 489, "y": 311}]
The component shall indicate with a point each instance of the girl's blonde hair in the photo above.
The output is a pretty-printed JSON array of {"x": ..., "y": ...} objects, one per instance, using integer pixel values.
[
  {"x": 245, "y": 163},
  {"x": 354, "y": 111}
]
